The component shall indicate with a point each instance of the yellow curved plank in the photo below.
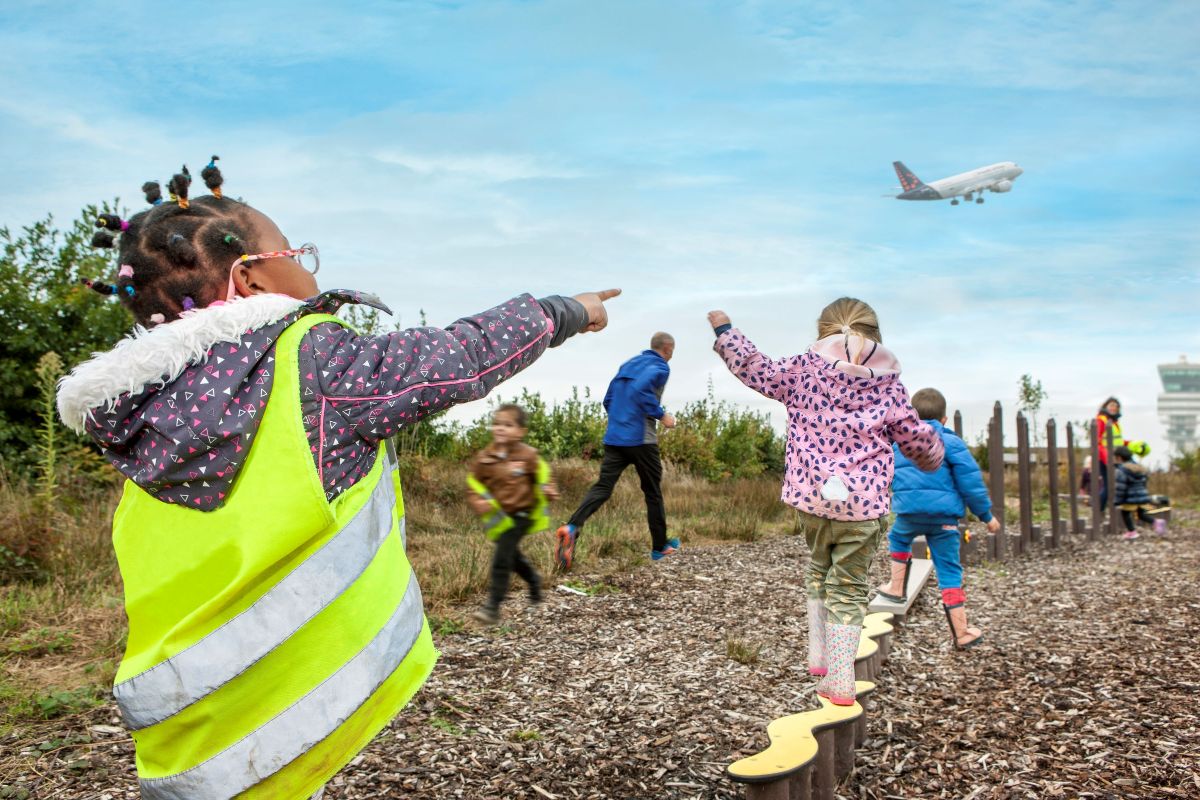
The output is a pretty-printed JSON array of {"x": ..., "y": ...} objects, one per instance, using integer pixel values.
[
  {"x": 793, "y": 744},
  {"x": 866, "y": 647},
  {"x": 877, "y": 624},
  {"x": 792, "y": 748}
]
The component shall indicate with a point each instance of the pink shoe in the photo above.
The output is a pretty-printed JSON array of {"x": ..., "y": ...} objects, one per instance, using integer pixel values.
[{"x": 1129, "y": 536}]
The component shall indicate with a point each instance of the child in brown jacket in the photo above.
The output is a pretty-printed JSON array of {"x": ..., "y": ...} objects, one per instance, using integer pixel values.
[{"x": 509, "y": 486}]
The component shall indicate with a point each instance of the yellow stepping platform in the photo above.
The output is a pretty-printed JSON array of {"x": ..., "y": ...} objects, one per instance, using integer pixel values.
[{"x": 793, "y": 744}]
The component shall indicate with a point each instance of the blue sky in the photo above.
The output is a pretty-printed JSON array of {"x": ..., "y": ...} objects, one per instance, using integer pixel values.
[{"x": 699, "y": 155}]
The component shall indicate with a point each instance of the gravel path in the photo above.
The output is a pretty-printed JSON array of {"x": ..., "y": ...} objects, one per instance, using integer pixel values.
[{"x": 1087, "y": 686}]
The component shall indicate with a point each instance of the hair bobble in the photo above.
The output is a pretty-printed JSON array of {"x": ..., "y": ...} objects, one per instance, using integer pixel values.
[
  {"x": 178, "y": 187},
  {"x": 188, "y": 304},
  {"x": 112, "y": 222},
  {"x": 212, "y": 177},
  {"x": 153, "y": 191},
  {"x": 846, "y": 329},
  {"x": 126, "y": 271},
  {"x": 157, "y": 319},
  {"x": 231, "y": 238}
]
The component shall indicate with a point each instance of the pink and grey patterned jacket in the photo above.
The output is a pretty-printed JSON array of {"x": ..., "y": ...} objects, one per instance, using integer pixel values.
[
  {"x": 176, "y": 408},
  {"x": 844, "y": 414}
]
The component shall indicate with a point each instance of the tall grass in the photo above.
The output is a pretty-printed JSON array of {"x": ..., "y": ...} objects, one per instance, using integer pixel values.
[{"x": 62, "y": 625}]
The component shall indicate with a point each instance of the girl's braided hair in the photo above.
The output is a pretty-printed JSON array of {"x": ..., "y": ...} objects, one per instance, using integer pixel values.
[{"x": 175, "y": 255}]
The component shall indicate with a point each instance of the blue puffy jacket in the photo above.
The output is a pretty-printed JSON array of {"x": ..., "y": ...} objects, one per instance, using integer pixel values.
[
  {"x": 936, "y": 498},
  {"x": 632, "y": 398}
]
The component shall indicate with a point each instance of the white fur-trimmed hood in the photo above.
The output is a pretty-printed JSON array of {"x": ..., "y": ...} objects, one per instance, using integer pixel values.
[{"x": 160, "y": 354}]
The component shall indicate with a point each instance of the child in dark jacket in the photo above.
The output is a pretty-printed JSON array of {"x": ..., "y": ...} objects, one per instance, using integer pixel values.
[
  {"x": 930, "y": 504},
  {"x": 509, "y": 486},
  {"x": 1130, "y": 493},
  {"x": 275, "y": 624}
]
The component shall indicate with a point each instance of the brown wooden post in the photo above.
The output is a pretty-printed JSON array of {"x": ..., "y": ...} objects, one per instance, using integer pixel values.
[
  {"x": 1094, "y": 484},
  {"x": 996, "y": 479},
  {"x": 824, "y": 781},
  {"x": 1115, "y": 525},
  {"x": 1024, "y": 484},
  {"x": 966, "y": 545},
  {"x": 800, "y": 785},
  {"x": 1052, "y": 461},
  {"x": 1072, "y": 481},
  {"x": 775, "y": 790}
]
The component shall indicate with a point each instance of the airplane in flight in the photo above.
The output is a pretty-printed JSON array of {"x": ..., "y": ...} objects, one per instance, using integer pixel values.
[{"x": 967, "y": 185}]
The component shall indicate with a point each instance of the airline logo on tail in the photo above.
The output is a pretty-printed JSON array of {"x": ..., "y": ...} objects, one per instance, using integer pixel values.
[{"x": 908, "y": 181}]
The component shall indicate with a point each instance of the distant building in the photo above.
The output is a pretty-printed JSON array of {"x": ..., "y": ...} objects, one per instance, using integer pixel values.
[{"x": 1179, "y": 404}]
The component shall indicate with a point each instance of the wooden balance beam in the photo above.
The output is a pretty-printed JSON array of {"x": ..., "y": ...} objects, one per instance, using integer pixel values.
[
  {"x": 810, "y": 751},
  {"x": 918, "y": 576}
]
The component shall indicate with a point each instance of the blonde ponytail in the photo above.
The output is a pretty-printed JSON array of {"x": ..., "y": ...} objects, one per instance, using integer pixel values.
[
  {"x": 855, "y": 320},
  {"x": 848, "y": 315}
]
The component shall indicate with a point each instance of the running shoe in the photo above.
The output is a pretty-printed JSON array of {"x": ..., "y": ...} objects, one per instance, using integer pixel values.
[{"x": 564, "y": 547}]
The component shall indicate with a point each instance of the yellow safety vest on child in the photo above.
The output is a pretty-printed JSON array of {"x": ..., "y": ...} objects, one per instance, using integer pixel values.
[
  {"x": 497, "y": 522},
  {"x": 272, "y": 638}
]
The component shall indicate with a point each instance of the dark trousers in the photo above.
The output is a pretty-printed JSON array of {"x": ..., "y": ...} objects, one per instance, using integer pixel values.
[
  {"x": 508, "y": 559},
  {"x": 1102, "y": 476},
  {"x": 1127, "y": 517},
  {"x": 646, "y": 460}
]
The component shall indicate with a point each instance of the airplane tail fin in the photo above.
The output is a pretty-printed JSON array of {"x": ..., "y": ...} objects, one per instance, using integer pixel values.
[{"x": 908, "y": 181}]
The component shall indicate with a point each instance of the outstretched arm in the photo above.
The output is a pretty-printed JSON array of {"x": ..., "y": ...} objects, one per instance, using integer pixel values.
[
  {"x": 377, "y": 384},
  {"x": 768, "y": 377}
]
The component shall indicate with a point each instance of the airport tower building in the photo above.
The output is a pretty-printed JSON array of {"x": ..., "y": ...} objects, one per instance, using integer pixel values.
[{"x": 1179, "y": 404}]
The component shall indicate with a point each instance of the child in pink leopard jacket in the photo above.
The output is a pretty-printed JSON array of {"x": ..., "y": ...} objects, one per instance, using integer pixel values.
[{"x": 846, "y": 406}]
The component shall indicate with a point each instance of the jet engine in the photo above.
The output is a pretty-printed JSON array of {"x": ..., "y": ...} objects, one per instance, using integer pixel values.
[{"x": 1002, "y": 186}]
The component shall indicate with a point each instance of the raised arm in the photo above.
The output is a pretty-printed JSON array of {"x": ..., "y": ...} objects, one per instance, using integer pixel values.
[{"x": 768, "y": 377}]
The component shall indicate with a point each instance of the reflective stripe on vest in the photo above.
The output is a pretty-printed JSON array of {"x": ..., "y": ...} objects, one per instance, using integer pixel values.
[
  {"x": 174, "y": 684},
  {"x": 311, "y": 719}
]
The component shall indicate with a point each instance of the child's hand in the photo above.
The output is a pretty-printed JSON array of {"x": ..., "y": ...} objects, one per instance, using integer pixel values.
[
  {"x": 994, "y": 525},
  {"x": 717, "y": 319},
  {"x": 667, "y": 421},
  {"x": 594, "y": 303}
]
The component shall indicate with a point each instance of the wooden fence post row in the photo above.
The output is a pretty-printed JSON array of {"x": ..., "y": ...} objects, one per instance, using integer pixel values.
[{"x": 1030, "y": 534}]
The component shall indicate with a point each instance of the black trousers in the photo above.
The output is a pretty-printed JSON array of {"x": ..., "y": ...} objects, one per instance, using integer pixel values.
[
  {"x": 1127, "y": 518},
  {"x": 646, "y": 460},
  {"x": 508, "y": 559}
]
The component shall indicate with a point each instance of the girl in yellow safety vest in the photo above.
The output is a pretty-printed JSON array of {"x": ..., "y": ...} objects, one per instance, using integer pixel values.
[{"x": 275, "y": 625}]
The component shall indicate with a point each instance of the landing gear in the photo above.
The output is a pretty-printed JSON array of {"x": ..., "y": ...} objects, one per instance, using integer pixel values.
[
  {"x": 978, "y": 199},
  {"x": 954, "y": 202}
]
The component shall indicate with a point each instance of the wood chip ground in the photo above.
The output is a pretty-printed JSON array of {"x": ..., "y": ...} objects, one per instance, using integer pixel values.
[{"x": 1088, "y": 686}]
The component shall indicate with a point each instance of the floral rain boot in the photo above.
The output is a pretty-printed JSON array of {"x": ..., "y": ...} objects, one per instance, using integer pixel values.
[{"x": 841, "y": 646}]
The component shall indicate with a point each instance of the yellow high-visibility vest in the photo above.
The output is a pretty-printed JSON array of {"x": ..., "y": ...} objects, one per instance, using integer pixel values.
[
  {"x": 272, "y": 638},
  {"x": 498, "y": 521}
]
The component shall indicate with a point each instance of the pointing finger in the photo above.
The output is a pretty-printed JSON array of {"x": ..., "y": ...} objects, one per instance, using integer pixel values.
[{"x": 608, "y": 294}]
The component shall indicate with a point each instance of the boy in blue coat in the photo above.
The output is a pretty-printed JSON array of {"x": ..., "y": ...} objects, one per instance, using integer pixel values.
[{"x": 930, "y": 504}]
